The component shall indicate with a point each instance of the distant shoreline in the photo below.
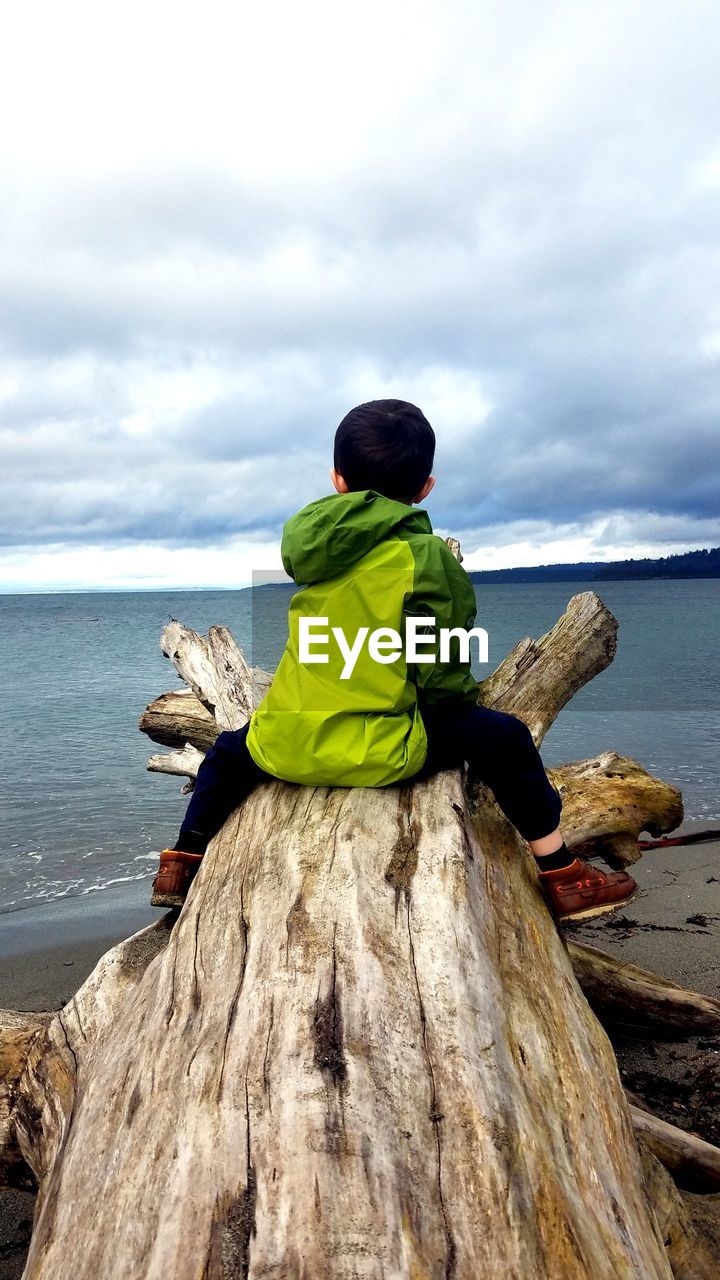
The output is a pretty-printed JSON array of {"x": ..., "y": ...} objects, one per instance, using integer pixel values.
[
  {"x": 687, "y": 564},
  {"x": 558, "y": 573}
]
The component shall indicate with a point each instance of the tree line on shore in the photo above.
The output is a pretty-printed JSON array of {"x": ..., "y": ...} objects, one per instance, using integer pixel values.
[{"x": 703, "y": 563}]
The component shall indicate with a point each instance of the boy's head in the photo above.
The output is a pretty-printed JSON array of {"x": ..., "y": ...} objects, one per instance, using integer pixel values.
[{"x": 386, "y": 445}]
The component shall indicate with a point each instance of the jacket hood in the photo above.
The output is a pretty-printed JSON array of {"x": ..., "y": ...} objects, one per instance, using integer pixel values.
[{"x": 330, "y": 534}]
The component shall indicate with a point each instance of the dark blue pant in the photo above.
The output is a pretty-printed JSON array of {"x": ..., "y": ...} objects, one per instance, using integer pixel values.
[{"x": 498, "y": 748}]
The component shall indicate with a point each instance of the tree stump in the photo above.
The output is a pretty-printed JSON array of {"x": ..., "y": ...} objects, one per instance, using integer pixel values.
[{"x": 361, "y": 1050}]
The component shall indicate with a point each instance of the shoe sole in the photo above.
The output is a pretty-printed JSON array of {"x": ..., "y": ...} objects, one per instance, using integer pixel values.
[
  {"x": 168, "y": 900},
  {"x": 600, "y": 911}
]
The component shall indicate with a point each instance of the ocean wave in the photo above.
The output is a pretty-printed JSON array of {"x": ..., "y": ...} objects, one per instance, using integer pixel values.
[{"x": 55, "y": 891}]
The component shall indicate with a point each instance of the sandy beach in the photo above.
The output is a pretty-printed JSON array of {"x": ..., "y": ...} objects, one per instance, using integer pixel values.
[
  {"x": 672, "y": 928},
  {"x": 35, "y": 976}
]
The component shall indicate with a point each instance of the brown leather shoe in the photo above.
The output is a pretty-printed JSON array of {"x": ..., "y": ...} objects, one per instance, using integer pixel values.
[
  {"x": 176, "y": 874},
  {"x": 581, "y": 890}
]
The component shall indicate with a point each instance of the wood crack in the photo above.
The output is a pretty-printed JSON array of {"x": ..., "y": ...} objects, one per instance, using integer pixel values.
[
  {"x": 404, "y": 855},
  {"x": 235, "y": 1000},
  {"x": 435, "y": 1114},
  {"x": 265, "y": 1077},
  {"x": 195, "y": 995},
  {"x": 328, "y": 1029},
  {"x": 233, "y": 1223}
]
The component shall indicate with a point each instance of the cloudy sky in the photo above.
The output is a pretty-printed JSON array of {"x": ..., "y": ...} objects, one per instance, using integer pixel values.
[{"x": 225, "y": 224}]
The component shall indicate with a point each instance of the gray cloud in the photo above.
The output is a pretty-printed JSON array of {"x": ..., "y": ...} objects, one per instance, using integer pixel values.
[{"x": 527, "y": 244}]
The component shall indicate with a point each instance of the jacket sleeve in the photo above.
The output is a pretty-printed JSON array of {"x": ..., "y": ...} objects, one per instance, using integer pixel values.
[{"x": 441, "y": 590}]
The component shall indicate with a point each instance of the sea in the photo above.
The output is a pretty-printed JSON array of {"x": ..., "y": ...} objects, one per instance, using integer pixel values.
[{"x": 80, "y": 813}]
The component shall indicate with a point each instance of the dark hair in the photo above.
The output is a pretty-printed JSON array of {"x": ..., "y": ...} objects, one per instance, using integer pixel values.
[{"x": 386, "y": 445}]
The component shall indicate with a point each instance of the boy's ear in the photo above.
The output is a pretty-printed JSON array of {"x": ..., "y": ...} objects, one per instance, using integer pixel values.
[
  {"x": 339, "y": 482},
  {"x": 426, "y": 489}
]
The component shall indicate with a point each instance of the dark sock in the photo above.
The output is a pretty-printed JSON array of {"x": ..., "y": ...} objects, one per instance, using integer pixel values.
[
  {"x": 562, "y": 857},
  {"x": 191, "y": 842}
]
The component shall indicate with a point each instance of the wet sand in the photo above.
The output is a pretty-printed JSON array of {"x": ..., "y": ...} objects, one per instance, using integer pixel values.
[
  {"x": 672, "y": 928},
  {"x": 36, "y": 976}
]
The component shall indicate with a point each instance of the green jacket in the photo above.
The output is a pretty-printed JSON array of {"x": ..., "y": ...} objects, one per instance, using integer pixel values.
[{"x": 362, "y": 560}]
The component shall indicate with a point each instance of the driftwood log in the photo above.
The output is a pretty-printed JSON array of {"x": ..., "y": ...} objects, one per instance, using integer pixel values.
[
  {"x": 620, "y": 993},
  {"x": 688, "y": 1223},
  {"x": 360, "y": 1051},
  {"x": 694, "y": 1163}
]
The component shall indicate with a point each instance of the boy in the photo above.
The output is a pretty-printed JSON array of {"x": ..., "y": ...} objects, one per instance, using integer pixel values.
[{"x": 365, "y": 558}]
